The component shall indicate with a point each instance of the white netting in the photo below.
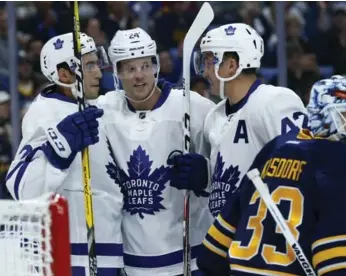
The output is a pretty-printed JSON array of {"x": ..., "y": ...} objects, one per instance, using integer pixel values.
[{"x": 25, "y": 248}]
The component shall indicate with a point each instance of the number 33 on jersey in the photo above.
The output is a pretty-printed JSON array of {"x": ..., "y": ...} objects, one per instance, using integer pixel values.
[{"x": 306, "y": 179}]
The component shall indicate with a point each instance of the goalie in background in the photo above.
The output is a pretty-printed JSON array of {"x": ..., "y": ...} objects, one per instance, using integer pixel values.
[
  {"x": 49, "y": 155},
  {"x": 305, "y": 174}
]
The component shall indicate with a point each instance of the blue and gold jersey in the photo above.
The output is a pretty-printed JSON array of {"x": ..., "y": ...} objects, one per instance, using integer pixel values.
[{"x": 306, "y": 178}]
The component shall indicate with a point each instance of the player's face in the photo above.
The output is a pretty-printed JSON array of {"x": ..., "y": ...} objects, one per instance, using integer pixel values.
[
  {"x": 92, "y": 75},
  {"x": 209, "y": 73},
  {"x": 138, "y": 77}
]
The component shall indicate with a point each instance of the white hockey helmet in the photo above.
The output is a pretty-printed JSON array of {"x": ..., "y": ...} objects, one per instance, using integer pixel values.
[
  {"x": 239, "y": 38},
  {"x": 130, "y": 44},
  {"x": 59, "y": 49}
]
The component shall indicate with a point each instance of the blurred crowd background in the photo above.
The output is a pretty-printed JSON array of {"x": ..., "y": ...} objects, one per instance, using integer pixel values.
[{"x": 315, "y": 43}]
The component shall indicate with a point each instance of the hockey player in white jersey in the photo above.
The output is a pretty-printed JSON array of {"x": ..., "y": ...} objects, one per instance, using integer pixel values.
[
  {"x": 144, "y": 122},
  {"x": 250, "y": 114},
  {"x": 49, "y": 156}
]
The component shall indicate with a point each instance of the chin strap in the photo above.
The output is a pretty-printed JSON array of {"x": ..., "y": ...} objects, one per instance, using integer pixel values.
[{"x": 223, "y": 80}]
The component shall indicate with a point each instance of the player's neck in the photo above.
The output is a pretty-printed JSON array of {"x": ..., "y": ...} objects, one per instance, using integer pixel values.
[
  {"x": 66, "y": 91},
  {"x": 236, "y": 89},
  {"x": 148, "y": 104}
]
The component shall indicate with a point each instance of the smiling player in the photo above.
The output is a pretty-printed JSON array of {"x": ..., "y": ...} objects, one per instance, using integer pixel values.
[{"x": 144, "y": 121}]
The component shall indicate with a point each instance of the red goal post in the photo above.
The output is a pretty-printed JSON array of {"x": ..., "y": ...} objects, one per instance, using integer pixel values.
[{"x": 34, "y": 237}]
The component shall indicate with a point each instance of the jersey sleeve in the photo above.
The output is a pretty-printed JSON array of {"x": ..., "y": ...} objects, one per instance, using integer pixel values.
[
  {"x": 212, "y": 258},
  {"x": 282, "y": 113},
  {"x": 30, "y": 174},
  {"x": 329, "y": 239}
]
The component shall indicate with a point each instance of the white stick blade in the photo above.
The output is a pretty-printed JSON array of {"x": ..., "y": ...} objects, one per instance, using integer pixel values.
[{"x": 199, "y": 25}]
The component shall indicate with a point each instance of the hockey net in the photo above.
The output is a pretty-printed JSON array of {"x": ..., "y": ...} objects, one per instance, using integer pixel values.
[{"x": 34, "y": 237}]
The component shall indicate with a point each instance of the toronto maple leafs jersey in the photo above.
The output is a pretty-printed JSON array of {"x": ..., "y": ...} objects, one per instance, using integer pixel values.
[
  {"x": 31, "y": 175},
  {"x": 306, "y": 179},
  {"x": 238, "y": 132},
  {"x": 153, "y": 210}
]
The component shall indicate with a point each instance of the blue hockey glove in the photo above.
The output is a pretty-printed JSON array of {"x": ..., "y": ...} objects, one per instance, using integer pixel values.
[
  {"x": 72, "y": 135},
  {"x": 189, "y": 172}
]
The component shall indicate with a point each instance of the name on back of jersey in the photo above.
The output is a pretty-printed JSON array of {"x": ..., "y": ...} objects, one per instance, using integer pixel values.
[{"x": 290, "y": 169}]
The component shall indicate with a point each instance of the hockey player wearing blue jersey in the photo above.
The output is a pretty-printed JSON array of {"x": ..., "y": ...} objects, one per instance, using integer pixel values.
[
  {"x": 49, "y": 156},
  {"x": 144, "y": 119},
  {"x": 250, "y": 114},
  {"x": 305, "y": 174}
]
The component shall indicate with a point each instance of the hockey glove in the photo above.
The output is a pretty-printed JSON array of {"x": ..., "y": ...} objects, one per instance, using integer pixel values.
[
  {"x": 72, "y": 135},
  {"x": 189, "y": 172}
]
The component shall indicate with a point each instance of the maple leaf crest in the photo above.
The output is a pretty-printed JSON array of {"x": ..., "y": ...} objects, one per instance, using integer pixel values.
[
  {"x": 114, "y": 170},
  {"x": 223, "y": 183},
  {"x": 142, "y": 189}
]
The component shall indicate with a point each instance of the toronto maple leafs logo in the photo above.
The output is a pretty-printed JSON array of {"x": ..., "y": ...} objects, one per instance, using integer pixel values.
[
  {"x": 223, "y": 183},
  {"x": 58, "y": 44},
  {"x": 142, "y": 189},
  {"x": 230, "y": 30}
]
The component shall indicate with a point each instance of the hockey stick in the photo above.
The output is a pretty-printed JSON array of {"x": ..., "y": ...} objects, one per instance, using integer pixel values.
[
  {"x": 89, "y": 216},
  {"x": 201, "y": 22},
  {"x": 261, "y": 187}
]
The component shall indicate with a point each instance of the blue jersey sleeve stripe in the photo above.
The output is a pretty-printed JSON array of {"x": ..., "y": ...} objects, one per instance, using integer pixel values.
[
  {"x": 102, "y": 249},
  {"x": 158, "y": 261},
  {"x": 19, "y": 177},
  {"x": 21, "y": 167},
  {"x": 106, "y": 271}
]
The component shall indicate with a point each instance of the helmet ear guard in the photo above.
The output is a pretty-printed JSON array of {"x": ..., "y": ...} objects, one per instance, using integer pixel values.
[{"x": 59, "y": 50}]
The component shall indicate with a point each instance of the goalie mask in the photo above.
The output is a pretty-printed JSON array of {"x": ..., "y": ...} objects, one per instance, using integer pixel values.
[
  {"x": 327, "y": 108},
  {"x": 59, "y": 50}
]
